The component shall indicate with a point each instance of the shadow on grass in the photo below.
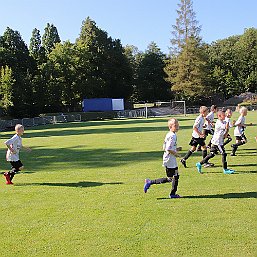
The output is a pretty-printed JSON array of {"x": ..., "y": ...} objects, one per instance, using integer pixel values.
[
  {"x": 75, "y": 184},
  {"x": 222, "y": 196}
]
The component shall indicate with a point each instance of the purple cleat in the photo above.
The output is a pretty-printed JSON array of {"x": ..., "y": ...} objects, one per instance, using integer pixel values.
[
  {"x": 174, "y": 196},
  {"x": 147, "y": 185}
]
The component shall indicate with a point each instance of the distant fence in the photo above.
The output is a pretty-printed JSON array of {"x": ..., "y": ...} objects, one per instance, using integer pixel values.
[{"x": 30, "y": 122}]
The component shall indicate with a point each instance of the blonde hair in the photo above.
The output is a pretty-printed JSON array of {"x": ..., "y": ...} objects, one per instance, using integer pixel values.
[
  {"x": 172, "y": 121},
  {"x": 203, "y": 109},
  {"x": 18, "y": 127},
  {"x": 228, "y": 111},
  {"x": 243, "y": 109}
]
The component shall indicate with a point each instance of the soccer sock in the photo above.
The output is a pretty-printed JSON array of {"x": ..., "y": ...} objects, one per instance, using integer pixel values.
[
  {"x": 160, "y": 181},
  {"x": 12, "y": 173},
  {"x": 224, "y": 161},
  {"x": 229, "y": 139},
  {"x": 207, "y": 158},
  {"x": 239, "y": 143},
  {"x": 189, "y": 153},
  {"x": 174, "y": 185},
  {"x": 204, "y": 152},
  {"x": 234, "y": 149}
]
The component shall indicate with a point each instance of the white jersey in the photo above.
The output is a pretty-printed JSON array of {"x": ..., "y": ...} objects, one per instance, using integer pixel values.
[
  {"x": 227, "y": 119},
  {"x": 219, "y": 132},
  {"x": 16, "y": 143},
  {"x": 199, "y": 122},
  {"x": 170, "y": 143},
  {"x": 210, "y": 117},
  {"x": 239, "y": 130}
]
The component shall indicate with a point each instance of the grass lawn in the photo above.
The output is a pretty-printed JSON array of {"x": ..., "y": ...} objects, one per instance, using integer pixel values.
[{"x": 82, "y": 194}]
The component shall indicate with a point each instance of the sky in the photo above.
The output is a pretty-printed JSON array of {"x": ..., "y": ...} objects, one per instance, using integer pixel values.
[{"x": 134, "y": 22}]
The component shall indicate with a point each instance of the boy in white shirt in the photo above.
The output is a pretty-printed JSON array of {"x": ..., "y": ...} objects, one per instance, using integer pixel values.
[
  {"x": 239, "y": 130},
  {"x": 221, "y": 129},
  {"x": 198, "y": 137},
  {"x": 169, "y": 160},
  {"x": 228, "y": 114},
  {"x": 209, "y": 124},
  {"x": 14, "y": 146}
]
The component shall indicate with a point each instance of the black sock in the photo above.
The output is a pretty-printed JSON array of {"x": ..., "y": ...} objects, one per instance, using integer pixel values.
[
  {"x": 189, "y": 153},
  {"x": 239, "y": 143},
  {"x": 227, "y": 141},
  {"x": 160, "y": 181},
  {"x": 234, "y": 149},
  {"x": 204, "y": 153},
  {"x": 207, "y": 158},
  {"x": 174, "y": 185}
]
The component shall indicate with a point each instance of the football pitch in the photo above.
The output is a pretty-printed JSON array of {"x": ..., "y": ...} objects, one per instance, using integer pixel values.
[{"x": 81, "y": 194}]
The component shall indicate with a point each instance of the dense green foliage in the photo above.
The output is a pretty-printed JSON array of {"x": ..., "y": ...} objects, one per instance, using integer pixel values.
[
  {"x": 55, "y": 76},
  {"x": 81, "y": 194}
]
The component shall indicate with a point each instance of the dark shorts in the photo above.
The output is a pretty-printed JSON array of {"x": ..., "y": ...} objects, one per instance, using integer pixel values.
[
  {"x": 217, "y": 148},
  {"x": 16, "y": 165},
  {"x": 207, "y": 132},
  {"x": 197, "y": 141},
  {"x": 170, "y": 172},
  {"x": 241, "y": 138}
]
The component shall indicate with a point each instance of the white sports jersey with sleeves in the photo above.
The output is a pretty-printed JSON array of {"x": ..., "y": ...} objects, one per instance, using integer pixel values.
[
  {"x": 210, "y": 117},
  {"x": 239, "y": 130},
  {"x": 170, "y": 143},
  {"x": 199, "y": 122},
  {"x": 219, "y": 132},
  {"x": 16, "y": 143},
  {"x": 227, "y": 119}
]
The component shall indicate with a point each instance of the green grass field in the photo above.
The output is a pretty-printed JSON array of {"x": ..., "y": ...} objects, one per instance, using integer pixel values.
[{"x": 82, "y": 194}]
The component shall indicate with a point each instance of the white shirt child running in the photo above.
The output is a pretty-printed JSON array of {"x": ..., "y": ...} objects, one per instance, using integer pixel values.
[
  {"x": 170, "y": 143},
  {"x": 210, "y": 117},
  {"x": 16, "y": 143},
  {"x": 219, "y": 132},
  {"x": 239, "y": 130},
  {"x": 199, "y": 122}
]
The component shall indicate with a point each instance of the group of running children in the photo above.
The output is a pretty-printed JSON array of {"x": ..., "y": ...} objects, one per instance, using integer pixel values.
[{"x": 203, "y": 126}]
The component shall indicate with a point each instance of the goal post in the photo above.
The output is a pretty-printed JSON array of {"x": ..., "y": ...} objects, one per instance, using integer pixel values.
[{"x": 179, "y": 105}]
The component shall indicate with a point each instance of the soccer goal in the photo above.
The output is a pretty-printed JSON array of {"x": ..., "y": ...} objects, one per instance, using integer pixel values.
[{"x": 179, "y": 106}]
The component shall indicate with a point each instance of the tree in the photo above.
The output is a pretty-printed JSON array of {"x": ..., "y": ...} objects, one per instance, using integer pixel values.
[
  {"x": 187, "y": 67},
  {"x": 6, "y": 88},
  {"x": 50, "y": 38},
  {"x": 36, "y": 49},
  {"x": 186, "y": 26},
  {"x": 150, "y": 83}
]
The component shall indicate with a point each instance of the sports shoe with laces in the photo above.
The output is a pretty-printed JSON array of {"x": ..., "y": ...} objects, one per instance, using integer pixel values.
[
  {"x": 199, "y": 167},
  {"x": 208, "y": 164},
  {"x": 147, "y": 185},
  {"x": 183, "y": 161},
  {"x": 174, "y": 196},
  {"x": 228, "y": 171}
]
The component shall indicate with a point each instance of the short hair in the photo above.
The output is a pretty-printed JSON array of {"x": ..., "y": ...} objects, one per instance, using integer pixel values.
[
  {"x": 242, "y": 109},
  {"x": 172, "y": 121},
  {"x": 214, "y": 107},
  {"x": 220, "y": 112},
  {"x": 203, "y": 109},
  {"x": 228, "y": 110},
  {"x": 18, "y": 127}
]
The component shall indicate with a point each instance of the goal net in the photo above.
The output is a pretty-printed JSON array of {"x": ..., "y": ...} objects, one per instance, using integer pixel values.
[{"x": 179, "y": 107}]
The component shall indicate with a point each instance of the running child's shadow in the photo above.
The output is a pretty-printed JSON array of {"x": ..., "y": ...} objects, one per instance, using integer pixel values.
[
  {"x": 223, "y": 196},
  {"x": 75, "y": 184}
]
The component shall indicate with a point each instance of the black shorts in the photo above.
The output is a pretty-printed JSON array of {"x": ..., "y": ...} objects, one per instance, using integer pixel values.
[
  {"x": 207, "y": 132},
  {"x": 16, "y": 165},
  {"x": 197, "y": 141},
  {"x": 170, "y": 172},
  {"x": 241, "y": 138},
  {"x": 217, "y": 148}
]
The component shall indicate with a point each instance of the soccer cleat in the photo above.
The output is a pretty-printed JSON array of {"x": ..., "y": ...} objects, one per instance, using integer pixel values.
[
  {"x": 8, "y": 178},
  {"x": 232, "y": 154},
  {"x": 147, "y": 185},
  {"x": 183, "y": 161},
  {"x": 228, "y": 171},
  {"x": 174, "y": 196},
  {"x": 199, "y": 167}
]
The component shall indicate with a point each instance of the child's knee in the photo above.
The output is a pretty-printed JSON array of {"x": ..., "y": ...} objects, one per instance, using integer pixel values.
[
  {"x": 21, "y": 168},
  {"x": 193, "y": 148}
]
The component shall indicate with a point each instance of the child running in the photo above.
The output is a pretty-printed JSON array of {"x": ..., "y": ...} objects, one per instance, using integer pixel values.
[
  {"x": 208, "y": 125},
  {"x": 14, "y": 145},
  {"x": 221, "y": 128},
  {"x": 169, "y": 160},
  {"x": 198, "y": 138},
  {"x": 239, "y": 130},
  {"x": 228, "y": 115}
]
